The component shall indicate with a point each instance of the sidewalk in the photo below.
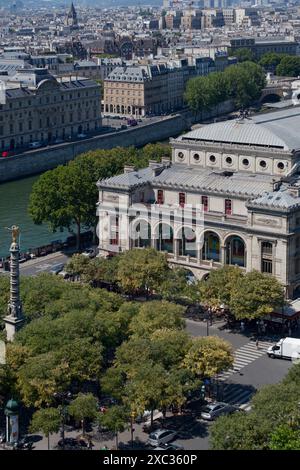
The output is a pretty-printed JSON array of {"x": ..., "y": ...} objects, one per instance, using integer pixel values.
[{"x": 99, "y": 441}]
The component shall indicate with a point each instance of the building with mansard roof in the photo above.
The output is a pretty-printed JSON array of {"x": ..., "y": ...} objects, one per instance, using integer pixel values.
[
  {"x": 35, "y": 106},
  {"x": 244, "y": 174}
]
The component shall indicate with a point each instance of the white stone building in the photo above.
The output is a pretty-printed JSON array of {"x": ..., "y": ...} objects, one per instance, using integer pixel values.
[{"x": 245, "y": 176}]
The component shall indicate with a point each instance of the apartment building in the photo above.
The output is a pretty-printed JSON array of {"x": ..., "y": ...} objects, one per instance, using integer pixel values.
[{"x": 40, "y": 107}]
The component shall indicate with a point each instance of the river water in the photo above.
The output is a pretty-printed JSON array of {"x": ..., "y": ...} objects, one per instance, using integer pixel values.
[{"x": 14, "y": 198}]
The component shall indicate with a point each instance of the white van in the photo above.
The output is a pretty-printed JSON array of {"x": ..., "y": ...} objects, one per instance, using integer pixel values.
[{"x": 286, "y": 348}]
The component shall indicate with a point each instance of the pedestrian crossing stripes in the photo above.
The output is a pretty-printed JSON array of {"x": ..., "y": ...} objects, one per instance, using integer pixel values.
[
  {"x": 238, "y": 395},
  {"x": 243, "y": 357}
]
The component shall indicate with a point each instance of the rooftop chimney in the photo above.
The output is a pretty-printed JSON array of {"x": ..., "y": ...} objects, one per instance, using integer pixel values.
[
  {"x": 129, "y": 169},
  {"x": 153, "y": 164},
  {"x": 166, "y": 160},
  {"x": 294, "y": 191}
]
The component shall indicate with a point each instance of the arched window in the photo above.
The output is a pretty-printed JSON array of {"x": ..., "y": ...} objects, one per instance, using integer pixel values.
[
  {"x": 164, "y": 238},
  {"x": 236, "y": 251},
  {"x": 142, "y": 235},
  {"x": 211, "y": 247},
  {"x": 187, "y": 242}
]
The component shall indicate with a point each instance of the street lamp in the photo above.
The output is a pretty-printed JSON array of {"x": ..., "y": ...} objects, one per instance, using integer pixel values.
[
  {"x": 62, "y": 397},
  {"x": 132, "y": 416},
  {"x": 208, "y": 320}
]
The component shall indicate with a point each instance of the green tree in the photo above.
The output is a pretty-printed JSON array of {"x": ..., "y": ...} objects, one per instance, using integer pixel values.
[
  {"x": 207, "y": 356},
  {"x": 245, "y": 82},
  {"x": 272, "y": 407},
  {"x": 256, "y": 295},
  {"x": 83, "y": 407},
  {"x": 156, "y": 315},
  {"x": 66, "y": 197},
  {"x": 217, "y": 289},
  {"x": 242, "y": 83},
  {"x": 62, "y": 197},
  {"x": 115, "y": 419},
  {"x": 244, "y": 54},
  {"x": 270, "y": 60},
  {"x": 289, "y": 66},
  {"x": 47, "y": 421},
  {"x": 142, "y": 271},
  {"x": 285, "y": 438}
]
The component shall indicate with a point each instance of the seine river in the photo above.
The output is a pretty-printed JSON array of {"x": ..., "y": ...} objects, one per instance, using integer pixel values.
[{"x": 14, "y": 197}]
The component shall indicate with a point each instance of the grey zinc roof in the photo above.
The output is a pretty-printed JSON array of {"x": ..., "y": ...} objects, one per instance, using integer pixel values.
[
  {"x": 277, "y": 130},
  {"x": 214, "y": 181},
  {"x": 128, "y": 180},
  {"x": 193, "y": 178},
  {"x": 281, "y": 199},
  {"x": 128, "y": 74}
]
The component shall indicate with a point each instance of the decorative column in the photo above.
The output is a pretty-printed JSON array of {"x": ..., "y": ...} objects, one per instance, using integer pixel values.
[
  {"x": 14, "y": 320},
  {"x": 223, "y": 254}
]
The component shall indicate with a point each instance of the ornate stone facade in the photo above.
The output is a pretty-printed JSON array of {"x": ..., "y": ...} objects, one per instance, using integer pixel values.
[{"x": 244, "y": 176}]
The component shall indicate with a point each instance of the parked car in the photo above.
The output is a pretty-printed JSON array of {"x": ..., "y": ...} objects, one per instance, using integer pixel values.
[
  {"x": 58, "y": 141},
  {"x": 57, "y": 268},
  {"x": 90, "y": 253},
  {"x": 64, "y": 274},
  {"x": 161, "y": 436},
  {"x": 6, "y": 153},
  {"x": 81, "y": 136},
  {"x": 132, "y": 122},
  {"x": 70, "y": 443},
  {"x": 168, "y": 446},
  {"x": 216, "y": 409},
  {"x": 143, "y": 417},
  {"x": 35, "y": 145}
]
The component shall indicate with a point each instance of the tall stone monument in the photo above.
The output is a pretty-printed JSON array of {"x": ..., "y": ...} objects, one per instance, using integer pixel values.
[{"x": 14, "y": 320}]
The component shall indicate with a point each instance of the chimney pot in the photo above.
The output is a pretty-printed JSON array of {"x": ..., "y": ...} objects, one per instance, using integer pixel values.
[{"x": 129, "y": 169}]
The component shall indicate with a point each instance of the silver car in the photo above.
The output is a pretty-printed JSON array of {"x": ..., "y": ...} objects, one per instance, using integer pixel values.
[
  {"x": 214, "y": 410},
  {"x": 161, "y": 436},
  {"x": 168, "y": 446}
]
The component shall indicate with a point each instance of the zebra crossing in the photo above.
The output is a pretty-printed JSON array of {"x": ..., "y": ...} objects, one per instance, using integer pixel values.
[
  {"x": 239, "y": 394},
  {"x": 243, "y": 357}
]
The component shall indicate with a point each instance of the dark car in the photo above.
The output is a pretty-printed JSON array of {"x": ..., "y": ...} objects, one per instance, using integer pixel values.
[{"x": 70, "y": 443}]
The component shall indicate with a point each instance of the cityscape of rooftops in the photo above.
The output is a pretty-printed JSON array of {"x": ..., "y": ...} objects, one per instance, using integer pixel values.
[{"x": 149, "y": 229}]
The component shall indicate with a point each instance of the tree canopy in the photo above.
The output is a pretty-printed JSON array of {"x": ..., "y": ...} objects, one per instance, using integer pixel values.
[
  {"x": 66, "y": 197},
  {"x": 272, "y": 423},
  {"x": 243, "y": 83},
  {"x": 256, "y": 294}
]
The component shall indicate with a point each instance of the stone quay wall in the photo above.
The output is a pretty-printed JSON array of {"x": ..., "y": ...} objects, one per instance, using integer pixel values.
[{"x": 37, "y": 161}]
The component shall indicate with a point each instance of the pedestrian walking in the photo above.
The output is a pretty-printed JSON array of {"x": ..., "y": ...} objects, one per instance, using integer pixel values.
[
  {"x": 242, "y": 326},
  {"x": 257, "y": 344}
]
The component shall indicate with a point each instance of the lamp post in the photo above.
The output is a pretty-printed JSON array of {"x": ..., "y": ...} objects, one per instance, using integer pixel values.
[
  {"x": 61, "y": 397},
  {"x": 208, "y": 320},
  {"x": 132, "y": 416}
]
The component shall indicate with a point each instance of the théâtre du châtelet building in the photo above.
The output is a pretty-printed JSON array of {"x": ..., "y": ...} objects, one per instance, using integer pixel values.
[{"x": 230, "y": 195}]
